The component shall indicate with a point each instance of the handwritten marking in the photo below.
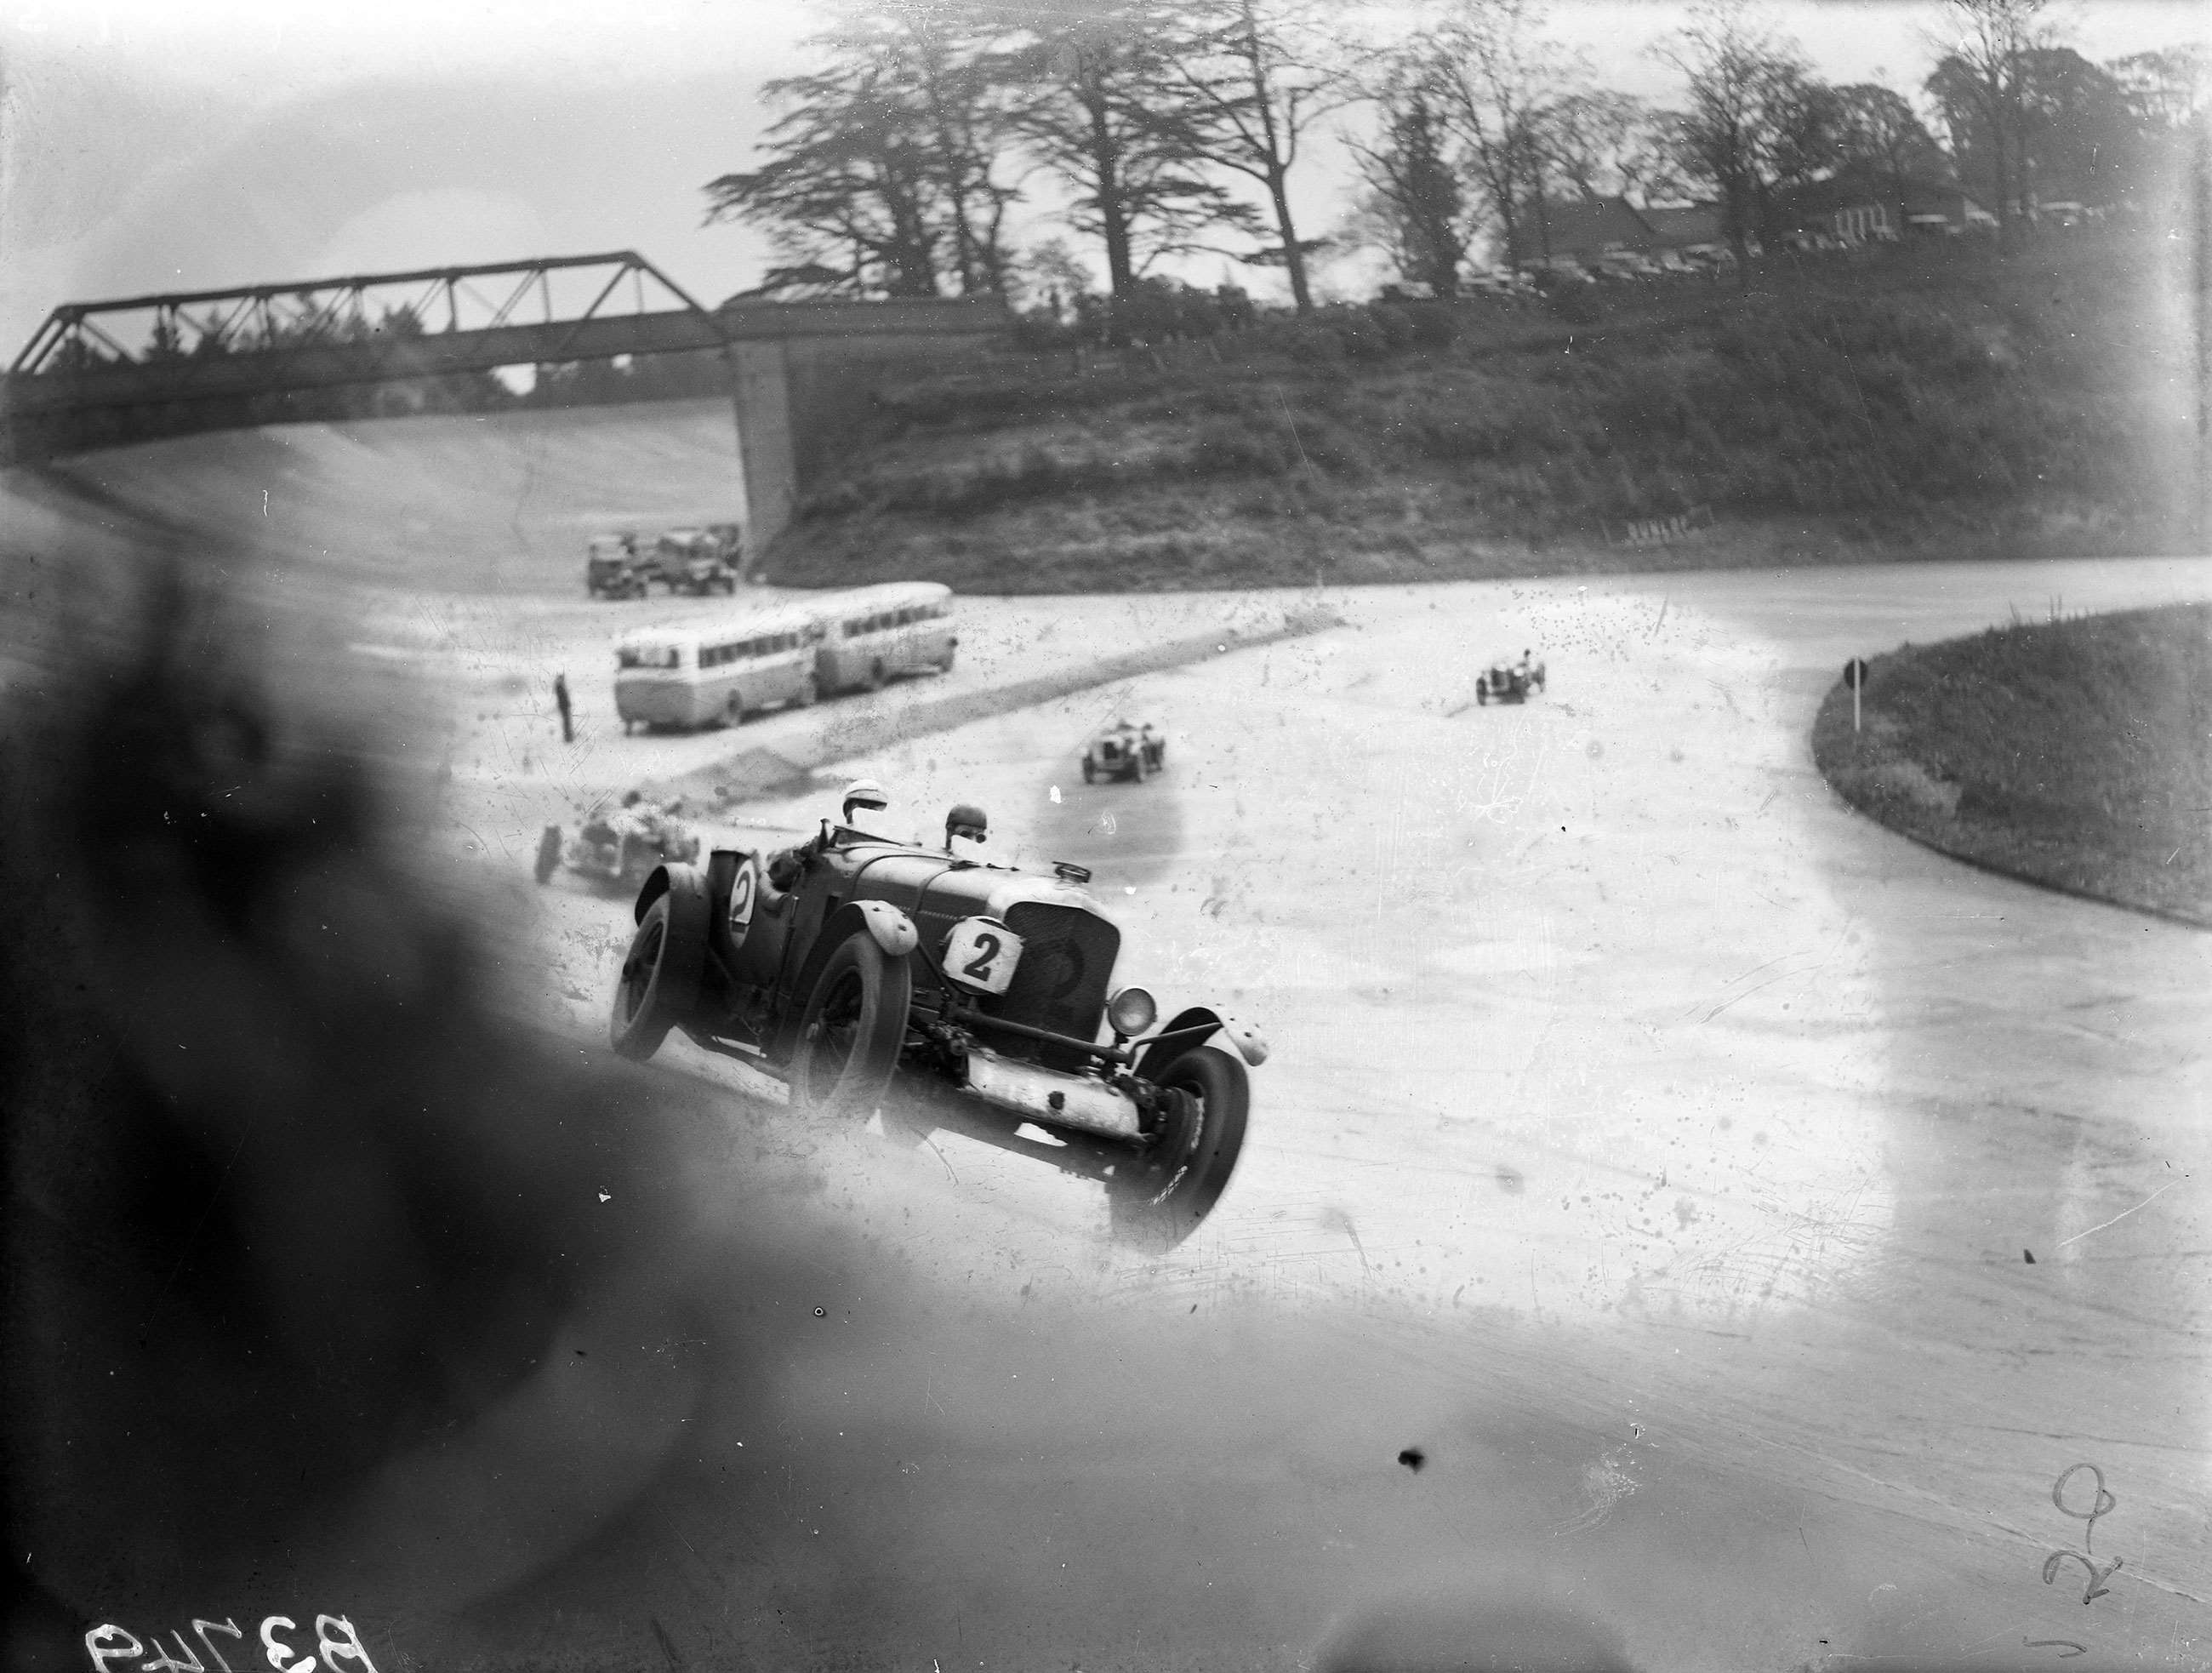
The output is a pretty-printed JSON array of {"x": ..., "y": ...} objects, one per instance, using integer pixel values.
[
  {"x": 222, "y": 1626},
  {"x": 337, "y": 1640},
  {"x": 2103, "y": 1503},
  {"x": 2096, "y": 1588}
]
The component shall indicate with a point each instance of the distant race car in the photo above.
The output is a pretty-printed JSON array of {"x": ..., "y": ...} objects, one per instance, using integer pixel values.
[
  {"x": 1509, "y": 682},
  {"x": 621, "y": 847},
  {"x": 1124, "y": 750},
  {"x": 879, "y": 978}
]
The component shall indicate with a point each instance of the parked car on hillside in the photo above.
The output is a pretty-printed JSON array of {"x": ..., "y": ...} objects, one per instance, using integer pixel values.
[{"x": 877, "y": 978}]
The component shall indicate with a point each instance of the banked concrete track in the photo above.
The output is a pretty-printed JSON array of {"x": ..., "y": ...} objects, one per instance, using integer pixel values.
[{"x": 1635, "y": 1215}]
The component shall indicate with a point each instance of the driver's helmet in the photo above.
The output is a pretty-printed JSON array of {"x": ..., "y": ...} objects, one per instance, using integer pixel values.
[{"x": 866, "y": 794}]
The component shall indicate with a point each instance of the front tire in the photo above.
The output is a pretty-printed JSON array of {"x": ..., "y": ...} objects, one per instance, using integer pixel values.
[
  {"x": 851, "y": 1031},
  {"x": 549, "y": 853},
  {"x": 1090, "y": 773},
  {"x": 1163, "y": 1199},
  {"x": 733, "y": 711},
  {"x": 658, "y": 985},
  {"x": 809, "y": 693},
  {"x": 875, "y": 680}
]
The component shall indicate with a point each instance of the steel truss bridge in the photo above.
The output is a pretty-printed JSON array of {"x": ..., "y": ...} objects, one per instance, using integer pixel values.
[{"x": 96, "y": 374}]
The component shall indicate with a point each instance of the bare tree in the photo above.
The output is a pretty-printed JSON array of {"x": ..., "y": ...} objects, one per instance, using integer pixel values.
[
  {"x": 1753, "y": 116},
  {"x": 1268, "y": 70},
  {"x": 1985, "y": 44},
  {"x": 1586, "y": 135},
  {"x": 1498, "y": 78},
  {"x": 1650, "y": 162}
]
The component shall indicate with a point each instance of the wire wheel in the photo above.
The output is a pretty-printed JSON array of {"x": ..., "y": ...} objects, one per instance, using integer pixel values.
[
  {"x": 658, "y": 981},
  {"x": 853, "y": 1028},
  {"x": 1163, "y": 1199}
]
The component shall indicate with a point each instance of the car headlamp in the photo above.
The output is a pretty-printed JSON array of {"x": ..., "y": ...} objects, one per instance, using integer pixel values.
[{"x": 1131, "y": 1011}]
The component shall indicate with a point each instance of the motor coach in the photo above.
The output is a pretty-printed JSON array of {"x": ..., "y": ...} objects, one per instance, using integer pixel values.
[{"x": 718, "y": 673}]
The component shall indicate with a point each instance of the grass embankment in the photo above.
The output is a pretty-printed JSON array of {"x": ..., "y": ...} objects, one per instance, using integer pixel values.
[
  {"x": 1935, "y": 403},
  {"x": 2076, "y": 753}
]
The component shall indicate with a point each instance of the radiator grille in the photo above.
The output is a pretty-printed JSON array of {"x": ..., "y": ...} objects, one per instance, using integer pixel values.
[{"x": 1067, "y": 960}]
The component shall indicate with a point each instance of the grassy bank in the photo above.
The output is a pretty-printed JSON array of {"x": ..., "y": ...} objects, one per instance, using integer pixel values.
[
  {"x": 1935, "y": 403},
  {"x": 2076, "y": 753}
]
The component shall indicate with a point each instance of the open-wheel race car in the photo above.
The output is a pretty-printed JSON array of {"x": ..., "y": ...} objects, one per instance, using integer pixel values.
[
  {"x": 877, "y": 978},
  {"x": 1509, "y": 682},
  {"x": 1124, "y": 750},
  {"x": 620, "y": 846}
]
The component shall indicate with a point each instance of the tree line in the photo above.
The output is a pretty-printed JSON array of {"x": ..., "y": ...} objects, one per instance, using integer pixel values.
[{"x": 1167, "y": 128}]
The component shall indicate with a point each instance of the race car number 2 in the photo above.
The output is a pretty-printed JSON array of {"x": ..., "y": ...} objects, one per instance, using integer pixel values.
[{"x": 982, "y": 953}]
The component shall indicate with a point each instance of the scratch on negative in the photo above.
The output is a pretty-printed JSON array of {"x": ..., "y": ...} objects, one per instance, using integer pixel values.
[{"x": 2123, "y": 1213}]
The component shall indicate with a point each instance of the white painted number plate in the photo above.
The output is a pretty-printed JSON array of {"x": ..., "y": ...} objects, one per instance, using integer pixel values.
[{"x": 983, "y": 954}]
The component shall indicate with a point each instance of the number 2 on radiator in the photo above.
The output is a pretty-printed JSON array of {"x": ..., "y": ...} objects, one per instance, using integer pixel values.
[{"x": 983, "y": 954}]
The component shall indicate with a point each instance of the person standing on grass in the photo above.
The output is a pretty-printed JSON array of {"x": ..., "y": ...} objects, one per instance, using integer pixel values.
[{"x": 561, "y": 702}]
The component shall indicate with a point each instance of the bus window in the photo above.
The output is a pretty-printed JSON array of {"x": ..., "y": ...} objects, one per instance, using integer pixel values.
[{"x": 650, "y": 656}]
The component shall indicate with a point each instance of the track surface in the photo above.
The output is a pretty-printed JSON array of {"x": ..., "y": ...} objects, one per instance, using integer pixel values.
[{"x": 1651, "y": 1144}]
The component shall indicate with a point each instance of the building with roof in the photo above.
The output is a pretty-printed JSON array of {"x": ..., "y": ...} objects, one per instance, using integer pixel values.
[{"x": 1856, "y": 205}]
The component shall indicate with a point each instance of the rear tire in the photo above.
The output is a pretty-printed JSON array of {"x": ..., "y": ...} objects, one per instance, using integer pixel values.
[
  {"x": 1090, "y": 773},
  {"x": 875, "y": 680},
  {"x": 1162, "y": 1200},
  {"x": 851, "y": 1031},
  {"x": 549, "y": 853},
  {"x": 733, "y": 711},
  {"x": 659, "y": 985},
  {"x": 810, "y": 692}
]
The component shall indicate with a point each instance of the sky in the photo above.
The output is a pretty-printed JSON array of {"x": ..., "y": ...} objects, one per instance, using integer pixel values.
[{"x": 163, "y": 144}]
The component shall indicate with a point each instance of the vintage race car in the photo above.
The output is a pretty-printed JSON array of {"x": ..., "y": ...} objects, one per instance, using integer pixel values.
[
  {"x": 879, "y": 978},
  {"x": 620, "y": 846},
  {"x": 1124, "y": 750},
  {"x": 1509, "y": 682}
]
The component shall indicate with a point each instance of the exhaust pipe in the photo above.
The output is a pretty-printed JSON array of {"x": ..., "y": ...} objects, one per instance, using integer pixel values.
[{"x": 1060, "y": 1100}]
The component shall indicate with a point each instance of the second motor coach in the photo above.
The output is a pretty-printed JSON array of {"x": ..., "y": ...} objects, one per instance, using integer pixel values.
[{"x": 878, "y": 633}]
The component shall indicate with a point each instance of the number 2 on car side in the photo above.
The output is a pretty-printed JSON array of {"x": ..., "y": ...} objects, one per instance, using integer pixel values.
[{"x": 982, "y": 953}]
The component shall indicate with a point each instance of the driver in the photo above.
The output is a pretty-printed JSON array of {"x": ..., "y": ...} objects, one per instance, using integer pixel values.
[{"x": 786, "y": 866}]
